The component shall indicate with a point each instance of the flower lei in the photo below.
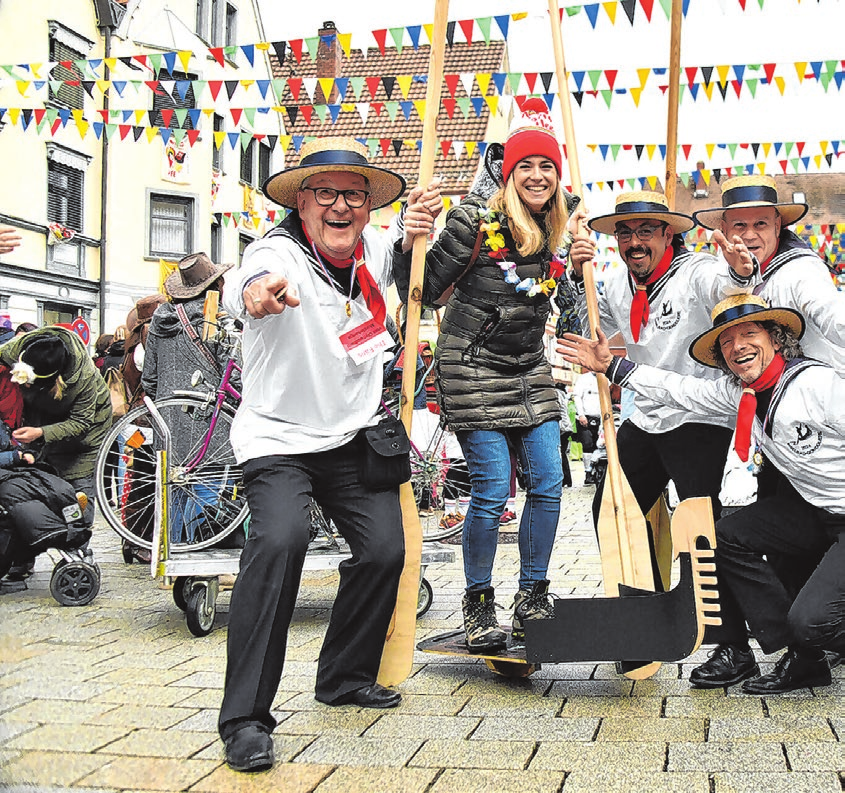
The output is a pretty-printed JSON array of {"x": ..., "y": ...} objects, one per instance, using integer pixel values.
[{"x": 491, "y": 224}]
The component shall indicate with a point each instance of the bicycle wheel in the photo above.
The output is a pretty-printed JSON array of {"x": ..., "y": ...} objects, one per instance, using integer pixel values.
[
  {"x": 207, "y": 501},
  {"x": 441, "y": 489}
]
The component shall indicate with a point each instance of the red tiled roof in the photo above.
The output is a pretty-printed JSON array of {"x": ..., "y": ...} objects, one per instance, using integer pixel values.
[{"x": 459, "y": 58}]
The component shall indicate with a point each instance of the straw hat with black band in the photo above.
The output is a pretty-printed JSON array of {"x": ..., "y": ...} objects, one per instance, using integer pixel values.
[
  {"x": 334, "y": 154},
  {"x": 735, "y": 310},
  {"x": 755, "y": 190},
  {"x": 642, "y": 205}
]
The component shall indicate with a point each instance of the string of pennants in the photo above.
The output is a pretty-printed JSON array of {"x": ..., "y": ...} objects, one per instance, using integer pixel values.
[
  {"x": 399, "y": 37},
  {"x": 697, "y": 81}
]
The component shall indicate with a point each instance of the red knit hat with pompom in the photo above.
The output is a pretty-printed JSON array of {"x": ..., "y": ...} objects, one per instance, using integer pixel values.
[{"x": 531, "y": 134}]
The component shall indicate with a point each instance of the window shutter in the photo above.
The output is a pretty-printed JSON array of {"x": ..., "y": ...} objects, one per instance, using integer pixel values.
[{"x": 64, "y": 196}]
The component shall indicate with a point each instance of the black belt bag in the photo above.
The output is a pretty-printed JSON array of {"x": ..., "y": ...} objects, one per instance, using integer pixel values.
[{"x": 385, "y": 460}]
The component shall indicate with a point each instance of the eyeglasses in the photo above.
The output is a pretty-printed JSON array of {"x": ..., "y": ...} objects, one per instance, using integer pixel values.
[
  {"x": 644, "y": 233},
  {"x": 326, "y": 196}
]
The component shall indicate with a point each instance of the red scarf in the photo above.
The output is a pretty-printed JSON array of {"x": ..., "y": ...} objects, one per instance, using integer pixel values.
[
  {"x": 639, "y": 305},
  {"x": 765, "y": 264},
  {"x": 369, "y": 288},
  {"x": 748, "y": 405},
  {"x": 11, "y": 400}
]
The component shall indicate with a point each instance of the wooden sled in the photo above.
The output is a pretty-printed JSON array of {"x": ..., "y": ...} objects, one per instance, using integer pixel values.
[{"x": 636, "y": 626}]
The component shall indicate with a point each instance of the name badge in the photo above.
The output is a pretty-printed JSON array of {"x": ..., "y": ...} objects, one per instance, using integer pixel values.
[{"x": 365, "y": 341}]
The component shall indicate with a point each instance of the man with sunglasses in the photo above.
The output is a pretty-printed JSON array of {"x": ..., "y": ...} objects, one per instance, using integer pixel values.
[
  {"x": 659, "y": 303},
  {"x": 311, "y": 296}
]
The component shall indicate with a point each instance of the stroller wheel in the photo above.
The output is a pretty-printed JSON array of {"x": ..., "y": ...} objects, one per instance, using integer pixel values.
[{"x": 75, "y": 583}]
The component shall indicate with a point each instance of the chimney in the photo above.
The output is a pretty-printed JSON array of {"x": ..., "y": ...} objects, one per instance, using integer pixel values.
[{"x": 329, "y": 55}]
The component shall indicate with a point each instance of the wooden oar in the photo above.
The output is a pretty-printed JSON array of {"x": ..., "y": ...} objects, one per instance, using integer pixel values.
[
  {"x": 674, "y": 93},
  {"x": 397, "y": 657},
  {"x": 622, "y": 531}
]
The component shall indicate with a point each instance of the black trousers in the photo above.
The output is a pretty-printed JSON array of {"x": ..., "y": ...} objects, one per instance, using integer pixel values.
[
  {"x": 264, "y": 596},
  {"x": 754, "y": 589},
  {"x": 693, "y": 456},
  {"x": 564, "y": 458},
  {"x": 588, "y": 435}
]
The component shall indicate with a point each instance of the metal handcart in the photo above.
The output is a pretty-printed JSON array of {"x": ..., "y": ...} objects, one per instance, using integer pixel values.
[{"x": 195, "y": 575}]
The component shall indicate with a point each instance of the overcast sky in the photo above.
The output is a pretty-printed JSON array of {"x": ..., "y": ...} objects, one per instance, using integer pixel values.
[{"x": 715, "y": 32}]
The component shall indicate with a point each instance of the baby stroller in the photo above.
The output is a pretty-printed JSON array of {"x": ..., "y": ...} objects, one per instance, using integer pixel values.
[{"x": 40, "y": 511}]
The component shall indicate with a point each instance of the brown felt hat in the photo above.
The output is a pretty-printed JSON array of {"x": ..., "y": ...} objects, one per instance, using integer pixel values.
[{"x": 193, "y": 275}]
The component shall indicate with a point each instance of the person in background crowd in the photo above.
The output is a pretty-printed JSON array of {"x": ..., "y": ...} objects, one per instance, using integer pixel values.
[
  {"x": 104, "y": 340},
  {"x": 495, "y": 385},
  {"x": 585, "y": 394},
  {"x": 25, "y": 327},
  {"x": 116, "y": 350},
  {"x": 6, "y": 331},
  {"x": 565, "y": 432}
]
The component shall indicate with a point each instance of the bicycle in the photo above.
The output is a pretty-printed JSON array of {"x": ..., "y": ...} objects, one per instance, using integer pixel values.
[{"x": 207, "y": 500}]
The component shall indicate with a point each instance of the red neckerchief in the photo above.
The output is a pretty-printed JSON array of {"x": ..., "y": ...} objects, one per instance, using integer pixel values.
[
  {"x": 11, "y": 400},
  {"x": 369, "y": 288},
  {"x": 765, "y": 264},
  {"x": 639, "y": 305},
  {"x": 748, "y": 404}
]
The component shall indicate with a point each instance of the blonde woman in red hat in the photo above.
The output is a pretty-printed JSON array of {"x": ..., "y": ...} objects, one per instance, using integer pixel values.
[{"x": 495, "y": 385}]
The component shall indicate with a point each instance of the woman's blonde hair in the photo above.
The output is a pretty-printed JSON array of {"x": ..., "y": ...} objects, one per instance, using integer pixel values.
[
  {"x": 120, "y": 333},
  {"x": 529, "y": 237}
]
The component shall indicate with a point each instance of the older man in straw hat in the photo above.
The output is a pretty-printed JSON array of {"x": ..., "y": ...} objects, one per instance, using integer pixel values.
[
  {"x": 659, "y": 303},
  {"x": 311, "y": 295},
  {"x": 789, "y": 273},
  {"x": 789, "y": 408}
]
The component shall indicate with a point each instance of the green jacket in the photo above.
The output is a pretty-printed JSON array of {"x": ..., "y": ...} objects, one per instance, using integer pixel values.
[{"x": 74, "y": 426}]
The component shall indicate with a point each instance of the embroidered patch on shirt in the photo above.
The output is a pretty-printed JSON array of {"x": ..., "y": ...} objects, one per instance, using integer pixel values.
[{"x": 807, "y": 440}]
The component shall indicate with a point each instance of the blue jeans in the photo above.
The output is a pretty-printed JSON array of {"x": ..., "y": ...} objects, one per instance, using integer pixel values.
[{"x": 488, "y": 459}]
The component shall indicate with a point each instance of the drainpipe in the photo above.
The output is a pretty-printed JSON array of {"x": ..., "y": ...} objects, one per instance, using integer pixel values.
[{"x": 104, "y": 188}]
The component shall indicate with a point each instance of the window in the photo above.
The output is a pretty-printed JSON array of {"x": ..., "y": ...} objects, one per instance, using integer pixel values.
[
  {"x": 255, "y": 163},
  {"x": 64, "y": 195},
  {"x": 164, "y": 101},
  {"x": 171, "y": 225},
  {"x": 210, "y": 21},
  {"x": 216, "y": 241},
  {"x": 231, "y": 36},
  {"x": 243, "y": 241},
  {"x": 217, "y": 154},
  {"x": 65, "y": 48},
  {"x": 53, "y": 313}
]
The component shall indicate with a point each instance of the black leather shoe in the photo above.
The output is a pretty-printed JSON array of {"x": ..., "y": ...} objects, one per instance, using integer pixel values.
[
  {"x": 791, "y": 671},
  {"x": 249, "y": 749},
  {"x": 374, "y": 696},
  {"x": 728, "y": 664}
]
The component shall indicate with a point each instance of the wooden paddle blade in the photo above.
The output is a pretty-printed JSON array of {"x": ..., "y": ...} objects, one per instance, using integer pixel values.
[
  {"x": 398, "y": 655},
  {"x": 623, "y": 541},
  {"x": 660, "y": 524}
]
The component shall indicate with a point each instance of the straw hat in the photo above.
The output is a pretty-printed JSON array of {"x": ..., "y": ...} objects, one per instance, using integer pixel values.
[
  {"x": 334, "y": 154},
  {"x": 642, "y": 205},
  {"x": 736, "y": 310},
  {"x": 756, "y": 190},
  {"x": 192, "y": 275}
]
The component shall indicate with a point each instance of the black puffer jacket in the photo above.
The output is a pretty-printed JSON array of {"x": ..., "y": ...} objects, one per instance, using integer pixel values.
[{"x": 491, "y": 369}]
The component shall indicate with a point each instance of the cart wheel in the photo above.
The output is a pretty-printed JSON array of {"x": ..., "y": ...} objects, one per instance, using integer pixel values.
[
  {"x": 425, "y": 597},
  {"x": 182, "y": 591},
  {"x": 510, "y": 668},
  {"x": 201, "y": 610},
  {"x": 126, "y": 551},
  {"x": 75, "y": 583}
]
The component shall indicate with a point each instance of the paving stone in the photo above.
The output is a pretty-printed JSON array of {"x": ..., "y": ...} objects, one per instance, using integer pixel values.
[
  {"x": 384, "y": 780},
  {"x": 714, "y": 707},
  {"x": 61, "y": 738},
  {"x": 474, "y": 754},
  {"x": 330, "y": 721},
  {"x": 533, "y": 728},
  {"x": 815, "y": 756},
  {"x": 54, "y": 711},
  {"x": 483, "y": 781},
  {"x": 10, "y": 729},
  {"x": 611, "y": 706},
  {"x": 626, "y": 728},
  {"x": 810, "y": 706},
  {"x": 560, "y": 756},
  {"x": 40, "y": 768},
  {"x": 202, "y": 721},
  {"x": 396, "y": 725},
  {"x": 347, "y": 750},
  {"x": 618, "y": 687},
  {"x": 143, "y": 716},
  {"x": 776, "y": 728},
  {"x": 619, "y": 781},
  {"x": 289, "y": 777},
  {"x": 724, "y": 756},
  {"x": 791, "y": 782},
  {"x": 149, "y": 773},
  {"x": 162, "y": 743},
  {"x": 433, "y": 705}
]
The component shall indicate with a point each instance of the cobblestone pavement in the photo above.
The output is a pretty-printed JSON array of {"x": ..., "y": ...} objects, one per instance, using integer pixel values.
[{"x": 118, "y": 695}]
